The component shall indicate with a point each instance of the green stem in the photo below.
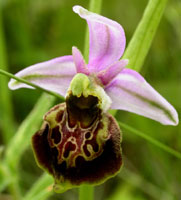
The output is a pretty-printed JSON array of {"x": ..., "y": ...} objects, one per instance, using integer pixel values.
[
  {"x": 29, "y": 83},
  {"x": 151, "y": 140},
  {"x": 7, "y": 178},
  {"x": 138, "y": 181},
  {"x": 141, "y": 41},
  {"x": 42, "y": 188},
  {"x": 7, "y": 119},
  {"x": 21, "y": 141},
  {"x": 86, "y": 192},
  {"x": 94, "y": 6},
  {"x": 28, "y": 127},
  {"x": 15, "y": 189}
]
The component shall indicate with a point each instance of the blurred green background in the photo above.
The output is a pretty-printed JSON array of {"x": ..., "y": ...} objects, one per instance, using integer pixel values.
[{"x": 38, "y": 30}]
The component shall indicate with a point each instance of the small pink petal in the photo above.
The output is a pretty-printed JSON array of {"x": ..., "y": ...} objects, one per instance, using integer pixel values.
[
  {"x": 54, "y": 75},
  {"x": 107, "y": 39},
  {"x": 112, "y": 71},
  {"x": 129, "y": 91},
  {"x": 80, "y": 64}
]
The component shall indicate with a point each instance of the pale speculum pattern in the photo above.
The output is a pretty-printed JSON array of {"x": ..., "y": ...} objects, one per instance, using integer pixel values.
[{"x": 72, "y": 139}]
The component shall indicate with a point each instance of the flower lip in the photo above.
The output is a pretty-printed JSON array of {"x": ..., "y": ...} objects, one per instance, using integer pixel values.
[{"x": 78, "y": 155}]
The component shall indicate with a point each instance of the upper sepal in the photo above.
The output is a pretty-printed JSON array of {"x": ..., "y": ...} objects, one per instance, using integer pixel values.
[{"x": 106, "y": 39}]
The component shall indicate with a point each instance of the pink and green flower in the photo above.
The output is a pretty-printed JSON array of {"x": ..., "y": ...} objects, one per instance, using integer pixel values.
[{"x": 79, "y": 142}]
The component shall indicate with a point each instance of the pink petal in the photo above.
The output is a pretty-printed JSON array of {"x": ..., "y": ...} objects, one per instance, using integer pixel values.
[
  {"x": 107, "y": 39},
  {"x": 80, "y": 64},
  {"x": 129, "y": 91},
  {"x": 54, "y": 75},
  {"x": 112, "y": 71}
]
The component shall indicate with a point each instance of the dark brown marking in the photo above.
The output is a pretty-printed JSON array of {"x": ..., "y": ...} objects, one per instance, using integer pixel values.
[
  {"x": 95, "y": 146},
  {"x": 68, "y": 147},
  {"x": 41, "y": 148},
  {"x": 82, "y": 109},
  {"x": 86, "y": 151},
  {"x": 60, "y": 168},
  {"x": 79, "y": 161},
  {"x": 87, "y": 135},
  {"x": 56, "y": 135}
]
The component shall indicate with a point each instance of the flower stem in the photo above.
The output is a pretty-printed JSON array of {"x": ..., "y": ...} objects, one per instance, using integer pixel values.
[
  {"x": 5, "y": 179},
  {"x": 29, "y": 126},
  {"x": 20, "y": 142},
  {"x": 15, "y": 189},
  {"x": 141, "y": 41},
  {"x": 7, "y": 119},
  {"x": 86, "y": 192},
  {"x": 151, "y": 140},
  {"x": 29, "y": 83},
  {"x": 94, "y": 6},
  {"x": 41, "y": 189}
]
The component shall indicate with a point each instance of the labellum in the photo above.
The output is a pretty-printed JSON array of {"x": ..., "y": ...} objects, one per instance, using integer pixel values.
[{"x": 78, "y": 143}]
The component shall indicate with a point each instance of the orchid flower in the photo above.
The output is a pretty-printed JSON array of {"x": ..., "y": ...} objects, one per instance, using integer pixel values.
[{"x": 79, "y": 142}]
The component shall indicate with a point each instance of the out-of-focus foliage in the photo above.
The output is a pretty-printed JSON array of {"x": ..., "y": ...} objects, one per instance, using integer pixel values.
[{"x": 38, "y": 30}]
